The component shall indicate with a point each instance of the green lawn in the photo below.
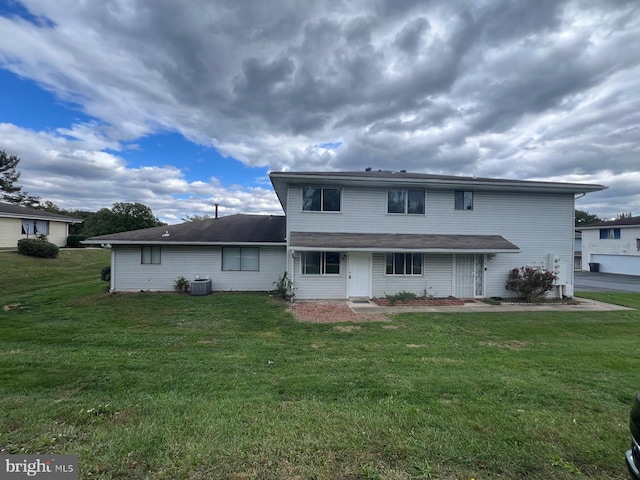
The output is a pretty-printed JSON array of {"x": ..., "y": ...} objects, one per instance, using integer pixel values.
[{"x": 167, "y": 386}]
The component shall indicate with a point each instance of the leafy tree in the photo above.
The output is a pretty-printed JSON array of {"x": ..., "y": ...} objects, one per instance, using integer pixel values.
[
  {"x": 123, "y": 217},
  {"x": 585, "y": 218},
  {"x": 10, "y": 190}
]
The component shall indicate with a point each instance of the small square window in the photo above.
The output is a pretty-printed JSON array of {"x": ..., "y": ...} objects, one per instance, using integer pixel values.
[
  {"x": 464, "y": 200},
  {"x": 150, "y": 255}
]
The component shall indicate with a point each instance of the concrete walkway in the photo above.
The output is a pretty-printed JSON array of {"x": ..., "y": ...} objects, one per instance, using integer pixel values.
[{"x": 329, "y": 311}]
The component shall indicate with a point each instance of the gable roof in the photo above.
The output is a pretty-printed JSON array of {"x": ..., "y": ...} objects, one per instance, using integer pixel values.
[
  {"x": 234, "y": 229},
  {"x": 386, "y": 178},
  {"x": 619, "y": 222},
  {"x": 402, "y": 242},
  {"x": 10, "y": 210}
]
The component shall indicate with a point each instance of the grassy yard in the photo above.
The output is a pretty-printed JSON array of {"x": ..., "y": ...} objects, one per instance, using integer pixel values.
[{"x": 167, "y": 386}]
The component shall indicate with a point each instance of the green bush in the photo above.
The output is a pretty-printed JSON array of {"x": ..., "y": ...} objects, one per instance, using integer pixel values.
[
  {"x": 105, "y": 274},
  {"x": 530, "y": 283},
  {"x": 400, "y": 297},
  {"x": 73, "y": 241},
  {"x": 284, "y": 288},
  {"x": 181, "y": 285},
  {"x": 34, "y": 247}
]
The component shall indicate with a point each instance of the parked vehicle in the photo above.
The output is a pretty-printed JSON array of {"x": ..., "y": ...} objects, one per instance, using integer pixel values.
[{"x": 633, "y": 455}]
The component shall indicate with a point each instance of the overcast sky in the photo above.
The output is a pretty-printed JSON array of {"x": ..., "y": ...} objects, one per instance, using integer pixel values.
[{"x": 179, "y": 105}]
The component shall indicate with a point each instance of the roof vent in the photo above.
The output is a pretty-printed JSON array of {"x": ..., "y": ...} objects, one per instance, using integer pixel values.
[{"x": 166, "y": 233}]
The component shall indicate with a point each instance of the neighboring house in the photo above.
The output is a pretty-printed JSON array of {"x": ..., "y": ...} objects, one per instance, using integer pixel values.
[
  {"x": 613, "y": 245},
  {"x": 367, "y": 234},
  {"x": 17, "y": 222},
  {"x": 238, "y": 252}
]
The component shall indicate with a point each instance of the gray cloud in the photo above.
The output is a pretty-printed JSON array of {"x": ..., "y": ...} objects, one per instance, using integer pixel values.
[{"x": 515, "y": 89}]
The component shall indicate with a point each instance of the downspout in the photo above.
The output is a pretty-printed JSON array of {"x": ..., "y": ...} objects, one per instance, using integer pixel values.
[{"x": 112, "y": 286}]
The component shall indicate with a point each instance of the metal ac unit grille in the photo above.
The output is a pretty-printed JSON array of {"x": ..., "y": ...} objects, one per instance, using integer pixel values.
[{"x": 201, "y": 287}]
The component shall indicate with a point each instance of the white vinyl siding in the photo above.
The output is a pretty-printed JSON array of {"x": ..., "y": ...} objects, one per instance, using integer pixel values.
[
  {"x": 192, "y": 261},
  {"x": 539, "y": 224}
]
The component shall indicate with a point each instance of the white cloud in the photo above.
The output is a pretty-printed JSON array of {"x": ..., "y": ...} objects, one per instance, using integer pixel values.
[{"x": 539, "y": 90}]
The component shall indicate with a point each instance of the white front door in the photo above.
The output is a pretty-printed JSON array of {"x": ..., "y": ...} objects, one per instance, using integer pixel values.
[
  {"x": 359, "y": 274},
  {"x": 469, "y": 276}
]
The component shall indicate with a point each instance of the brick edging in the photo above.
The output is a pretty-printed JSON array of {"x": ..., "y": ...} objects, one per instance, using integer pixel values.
[{"x": 420, "y": 302}]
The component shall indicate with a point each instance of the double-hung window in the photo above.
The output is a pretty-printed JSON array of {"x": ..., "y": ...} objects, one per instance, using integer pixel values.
[
  {"x": 408, "y": 202},
  {"x": 241, "y": 259},
  {"x": 319, "y": 199},
  {"x": 404, "y": 264},
  {"x": 320, "y": 263},
  {"x": 464, "y": 200},
  {"x": 150, "y": 255},
  {"x": 609, "y": 234}
]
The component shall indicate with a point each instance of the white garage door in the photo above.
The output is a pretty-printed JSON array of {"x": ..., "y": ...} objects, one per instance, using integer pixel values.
[{"x": 621, "y": 264}]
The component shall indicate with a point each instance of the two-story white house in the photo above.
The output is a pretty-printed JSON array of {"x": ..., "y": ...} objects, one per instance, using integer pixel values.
[
  {"x": 372, "y": 233},
  {"x": 612, "y": 246},
  {"x": 367, "y": 234}
]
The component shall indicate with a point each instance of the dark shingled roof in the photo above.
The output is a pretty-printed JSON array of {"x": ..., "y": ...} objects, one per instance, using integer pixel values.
[
  {"x": 485, "y": 243},
  {"x": 231, "y": 229},
  {"x": 18, "y": 211},
  {"x": 619, "y": 222}
]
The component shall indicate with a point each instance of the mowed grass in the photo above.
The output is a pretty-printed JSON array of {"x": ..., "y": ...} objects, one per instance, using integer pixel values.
[{"x": 230, "y": 386}]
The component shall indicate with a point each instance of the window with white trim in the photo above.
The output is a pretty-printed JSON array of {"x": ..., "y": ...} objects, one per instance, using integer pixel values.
[
  {"x": 150, "y": 255},
  {"x": 320, "y": 263},
  {"x": 241, "y": 259},
  {"x": 318, "y": 199},
  {"x": 403, "y": 264},
  {"x": 407, "y": 202},
  {"x": 464, "y": 200},
  {"x": 35, "y": 227},
  {"x": 609, "y": 234}
]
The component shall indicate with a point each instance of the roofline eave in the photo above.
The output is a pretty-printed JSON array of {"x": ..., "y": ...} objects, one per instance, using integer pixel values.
[
  {"x": 404, "y": 250},
  {"x": 160, "y": 243}
]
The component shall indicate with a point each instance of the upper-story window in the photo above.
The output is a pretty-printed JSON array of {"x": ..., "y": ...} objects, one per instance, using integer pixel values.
[
  {"x": 410, "y": 202},
  {"x": 319, "y": 199},
  {"x": 464, "y": 200},
  {"x": 609, "y": 234}
]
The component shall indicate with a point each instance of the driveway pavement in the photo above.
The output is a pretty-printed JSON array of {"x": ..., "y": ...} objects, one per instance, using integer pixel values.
[{"x": 606, "y": 282}]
